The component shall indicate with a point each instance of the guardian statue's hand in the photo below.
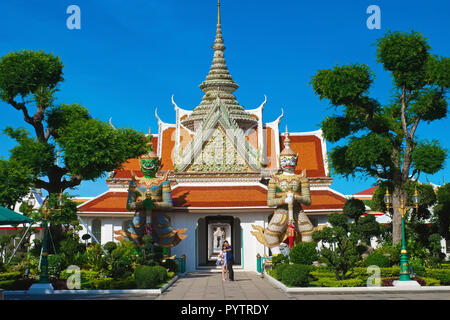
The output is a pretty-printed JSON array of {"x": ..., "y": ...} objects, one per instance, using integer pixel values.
[{"x": 289, "y": 198}]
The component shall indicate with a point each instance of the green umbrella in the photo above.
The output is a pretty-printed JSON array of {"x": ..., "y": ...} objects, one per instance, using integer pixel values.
[{"x": 8, "y": 216}]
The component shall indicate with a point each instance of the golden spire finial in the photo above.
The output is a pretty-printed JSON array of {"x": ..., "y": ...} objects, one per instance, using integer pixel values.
[
  {"x": 149, "y": 131},
  {"x": 218, "y": 11}
]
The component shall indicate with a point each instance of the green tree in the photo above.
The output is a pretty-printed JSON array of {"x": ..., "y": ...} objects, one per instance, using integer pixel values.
[
  {"x": 354, "y": 209},
  {"x": 377, "y": 140},
  {"x": 442, "y": 210},
  {"x": 69, "y": 144},
  {"x": 15, "y": 182},
  {"x": 367, "y": 228},
  {"x": 339, "y": 251}
]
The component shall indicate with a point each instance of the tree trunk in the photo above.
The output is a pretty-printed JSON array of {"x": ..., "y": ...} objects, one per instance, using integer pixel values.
[{"x": 397, "y": 195}]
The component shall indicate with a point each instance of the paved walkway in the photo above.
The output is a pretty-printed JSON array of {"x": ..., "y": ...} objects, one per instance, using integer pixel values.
[{"x": 210, "y": 286}]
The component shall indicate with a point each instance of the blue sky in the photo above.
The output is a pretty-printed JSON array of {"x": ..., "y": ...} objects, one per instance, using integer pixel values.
[{"x": 130, "y": 56}]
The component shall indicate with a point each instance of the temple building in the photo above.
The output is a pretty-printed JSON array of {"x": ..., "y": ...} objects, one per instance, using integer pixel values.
[{"x": 219, "y": 158}]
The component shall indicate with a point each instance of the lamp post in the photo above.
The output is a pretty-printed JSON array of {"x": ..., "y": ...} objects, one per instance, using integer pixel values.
[
  {"x": 43, "y": 274},
  {"x": 44, "y": 285},
  {"x": 404, "y": 266}
]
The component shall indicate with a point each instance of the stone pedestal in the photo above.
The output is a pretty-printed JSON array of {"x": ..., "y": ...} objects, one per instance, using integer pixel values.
[
  {"x": 41, "y": 288},
  {"x": 406, "y": 284}
]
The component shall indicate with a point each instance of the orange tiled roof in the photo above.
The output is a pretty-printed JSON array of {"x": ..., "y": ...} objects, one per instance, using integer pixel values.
[
  {"x": 168, "y": 142},
  {"x": 309, "y": 149},
  {"x": 324, "y": 200},
  {"x": 107, "y": 202},
  {"x": 310, "y": 157},
  {"x": 213, "y": 197},
  {"x": 229, "y": 196},
  {"x": 367, "y": 192}
]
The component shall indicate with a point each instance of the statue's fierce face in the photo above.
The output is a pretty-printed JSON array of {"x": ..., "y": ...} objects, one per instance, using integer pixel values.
[
  {"x": 149, "y": 167},
  {"x": 288, "y": 163}
]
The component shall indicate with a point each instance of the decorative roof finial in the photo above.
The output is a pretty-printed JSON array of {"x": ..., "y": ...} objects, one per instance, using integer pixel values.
[
  {"x": 286, "y": 135},
  {"x": 287, "y": 151},
  {"x": 218, "y": 11}
]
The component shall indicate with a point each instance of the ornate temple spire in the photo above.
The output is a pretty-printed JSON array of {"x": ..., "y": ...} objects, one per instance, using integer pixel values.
[
  {"x": 219, "y": 80},
  {"x": 287, "y": 151}
]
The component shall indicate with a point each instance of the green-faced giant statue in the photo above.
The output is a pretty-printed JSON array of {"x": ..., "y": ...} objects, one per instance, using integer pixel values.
[{"x": 148, "y": 196}]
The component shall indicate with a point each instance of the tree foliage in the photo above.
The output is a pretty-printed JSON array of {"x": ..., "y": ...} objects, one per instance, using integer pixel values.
[
  {"x": 340, "y": 251},
  {"x": 442, "y": 210},
  {"x": 354, "y": 209},
  {"x": 69, "y": 145},
  {"x": 379, "y": 140},
  {"x": 15, "y": 181}
]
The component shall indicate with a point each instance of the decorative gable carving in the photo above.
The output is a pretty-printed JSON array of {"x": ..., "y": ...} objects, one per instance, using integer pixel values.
[{"x": 218, "y": 131}]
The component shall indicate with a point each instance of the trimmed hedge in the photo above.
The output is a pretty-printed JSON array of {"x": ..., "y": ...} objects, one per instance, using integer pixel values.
[
  {"x": 149, "y": 277},
  {"x": 296, "y": 275},
  {"x": 304, "y": 253},
  {"x": 377, "y": 259},
  {"x": 278, "y": 270},
  {"x": 328, "y": 282},
  {"x": 100, "y": 284},
  {"x": 9, "y": 276},
  {"x": 85, "y": 275},
  {"x": 444, "y": 278},
  {"x": 432, "y": 282},
  {"x": 109, "y": 284},
  {"x": 358, "y": 272}
]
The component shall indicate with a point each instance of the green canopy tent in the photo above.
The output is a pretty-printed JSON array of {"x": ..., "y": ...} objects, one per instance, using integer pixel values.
[{"x": 8, "y": 216}]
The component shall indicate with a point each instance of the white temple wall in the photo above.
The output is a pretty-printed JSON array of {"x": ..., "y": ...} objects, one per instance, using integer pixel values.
[{"x": 250, "y": 246}]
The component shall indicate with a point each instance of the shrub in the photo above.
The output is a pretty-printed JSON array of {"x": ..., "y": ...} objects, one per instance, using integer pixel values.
[
  {"x": 279, "y": 259},
  {"x": 9, "y": 276},
  {"x": 85, "y": 275},
  {"x": 278, "y": 270},
  {"x": 69, "y": 247},
  {"x": 110, "y": 284},
  {"x": 330, "y": 282},
  {"x": 322, "y": 274},
  {"x": 55, "y": 265},
  {"x": 377, "y": 259},
  {"x": 170, "y": 274},
  {"x": 340, "y": 254},
  {"x": 110, "y": 246},
  {"x": 296, "y": 275},
  {"x": 418, "y": 266},
  {"x": 392, "y": 252},
  {"x": 101, "y": 284},
  {"x": 432, "y": 282},
  {"x": 121, "y": 268},
  {"x": 304, "y": 253},
  {"x": 444, "y": 278},
  {"x": 94, "y": 256},
  {"x": 148, "y": 277},
  {"x": 124, "y": 284}
]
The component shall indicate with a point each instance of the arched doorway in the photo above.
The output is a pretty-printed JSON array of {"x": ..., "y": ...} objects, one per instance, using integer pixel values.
[{"x": 212, "y": 231}]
